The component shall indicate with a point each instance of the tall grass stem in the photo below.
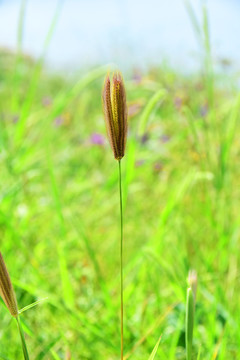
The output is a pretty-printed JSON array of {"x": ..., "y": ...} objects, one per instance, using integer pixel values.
[
  {"x": 121, "y": 252},
  {"x": 189, "y": 323},
  {"x": 24, "y": 345}
]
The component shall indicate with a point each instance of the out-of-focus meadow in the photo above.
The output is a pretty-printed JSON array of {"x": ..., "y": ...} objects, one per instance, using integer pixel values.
[{"x": 59, "y": 211}]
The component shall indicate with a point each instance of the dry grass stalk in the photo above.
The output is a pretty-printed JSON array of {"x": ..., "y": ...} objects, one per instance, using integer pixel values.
[
  {"x": 6, "y": 289},
  {"x": 115, "y": 114}
]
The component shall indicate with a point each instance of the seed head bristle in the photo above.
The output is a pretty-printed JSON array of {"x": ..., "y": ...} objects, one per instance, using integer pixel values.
[
  {"x": 6, "y": 289},
  {"x": 115, "y": 114}
]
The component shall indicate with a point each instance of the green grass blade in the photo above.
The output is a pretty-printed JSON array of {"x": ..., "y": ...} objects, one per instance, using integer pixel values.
[
  {"x": 35, "y": 78},
  {"x": 18, "y": 63},
  {"x": 48, "y": 348},
  {"x": 208, "y": 58},
  {"x": 32, "y": 305},
  {"x": 193, "y": 18},
  {"x": 189, "y": 323},
  {"x": 65, "y": 278},
  {"x": 3, "y": 357},
  {"x": 158, "y": 96},
  {"x": 229, "y": 132},
  {"x": 24, "y": 345},
  {"x": 199, "y": 354},
  {"x": 65, "y": 97},
  {"x": 55, "y": 355},
  {"x": 152, "y": 356}
]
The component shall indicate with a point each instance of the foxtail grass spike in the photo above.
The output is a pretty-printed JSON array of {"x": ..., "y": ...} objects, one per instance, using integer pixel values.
[
  {"x": 115, "y": 113},
  {"x": 6, "y": 289},
  {"x": 8, "y": 295}
]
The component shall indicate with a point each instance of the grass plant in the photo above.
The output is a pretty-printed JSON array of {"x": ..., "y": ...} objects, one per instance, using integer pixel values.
[
  {"x": 190, "y": 310},
  {"x": 115, "y": 113},
  {"x": 8, "y": 295},
  {"x": 59, "y": 211},
  {"x": 171, "y": 205}
]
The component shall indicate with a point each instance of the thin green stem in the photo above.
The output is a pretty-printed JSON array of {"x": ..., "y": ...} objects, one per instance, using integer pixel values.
[
  {"x": 189, "y": 323},
  {"x": 121, "y": 253},
  {"x": 24, "y": 345}
]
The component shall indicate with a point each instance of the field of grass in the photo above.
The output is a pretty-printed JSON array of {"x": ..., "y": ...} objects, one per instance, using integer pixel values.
[{"x": 59, "y": 214}]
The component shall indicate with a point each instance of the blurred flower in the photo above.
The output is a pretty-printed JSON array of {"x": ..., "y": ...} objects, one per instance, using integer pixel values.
[
  {"x": 203, "y": 110},
  {"x": 68, "y": 355},
  {"x": 178, "y": 101},
  {"x": 63, "y": 119},
  {"x": 225, "y": 62},
  {"x": 15, "y": 118},
  {"x": 199, "y": 86},
  {"x": 158, "y": 166},
  {"x": 58, "y": 121},
  {"x": 137, "y": 76},
  {"x": 97, "y": 139},
  {"x": 134, "y": 109},
  {"x": 164, "y": 138},
  {"x": 144, "y": 138},
  {"x": 47, "y": 101},
  {"x": 139, "y": 163}
]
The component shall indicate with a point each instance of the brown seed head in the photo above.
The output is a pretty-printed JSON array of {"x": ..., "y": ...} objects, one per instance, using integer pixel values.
[
  {"x": 115, "y": 114},
  {"x": 6, "y": 289}
]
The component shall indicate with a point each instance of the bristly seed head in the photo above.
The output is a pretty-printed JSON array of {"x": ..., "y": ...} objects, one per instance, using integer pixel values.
[
  {"x": 6, "y": 289},
  {"x": 115, "y": 114}
]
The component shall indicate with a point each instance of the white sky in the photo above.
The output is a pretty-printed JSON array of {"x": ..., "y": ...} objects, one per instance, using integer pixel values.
[{"x": 123, "y": 31}]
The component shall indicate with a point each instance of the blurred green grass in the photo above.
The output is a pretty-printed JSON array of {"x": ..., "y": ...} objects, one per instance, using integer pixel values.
[{"x": 59, "y": 213}]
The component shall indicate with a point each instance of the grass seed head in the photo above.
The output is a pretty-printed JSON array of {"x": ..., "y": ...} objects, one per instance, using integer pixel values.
[
  {"x": 115, "y": 113},
  {"x": 6, "y": 289}
]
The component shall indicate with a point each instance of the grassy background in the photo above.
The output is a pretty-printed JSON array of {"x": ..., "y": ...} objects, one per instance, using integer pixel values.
[{"x": 59, "y": 212}]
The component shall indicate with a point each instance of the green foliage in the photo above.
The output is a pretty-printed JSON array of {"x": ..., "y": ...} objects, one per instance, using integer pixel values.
[
  {"x": 189, "y": 322},
  {"x": 59, "y": 215},
  {"x": 23, "y": 342},
  {"x": 152, "y": 356}
]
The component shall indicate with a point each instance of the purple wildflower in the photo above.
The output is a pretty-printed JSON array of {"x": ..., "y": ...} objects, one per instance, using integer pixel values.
[
  {"x": 47, "y": 101},
  {"x": 97, "y": 139},
  {"x": 158, "y": 166},
  {"x": 164, "y": 138},
  {"x": 178, "y": 102},
  {"x": 58, "y": 121},
  {"x": 15, "y": 118},
  {"x": 144, "y": 138},
  {"x": 139, "y": 163},
  {"x": 133, "y": 109},
  {"x": 137, "y": 77},
  {"x": 203, "y": 110}
]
